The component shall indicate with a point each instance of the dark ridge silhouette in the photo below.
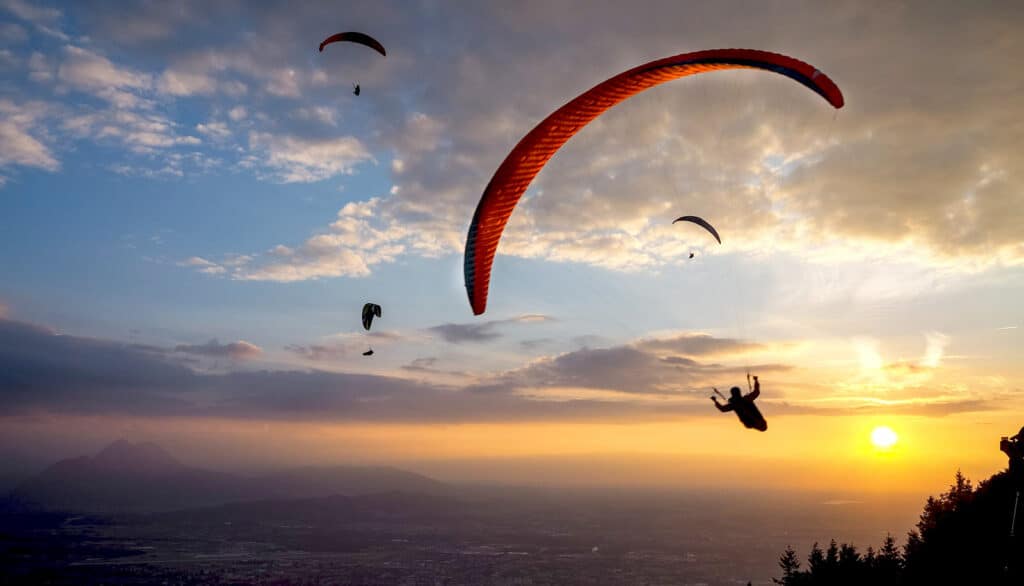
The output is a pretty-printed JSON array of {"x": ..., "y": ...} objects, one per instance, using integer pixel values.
[
  {"x": 966, "y": 535},
  {"x": 126, "y": 477}
]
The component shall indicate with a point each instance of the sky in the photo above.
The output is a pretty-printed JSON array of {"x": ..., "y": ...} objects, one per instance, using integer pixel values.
[{"x": 194, "y": 207}]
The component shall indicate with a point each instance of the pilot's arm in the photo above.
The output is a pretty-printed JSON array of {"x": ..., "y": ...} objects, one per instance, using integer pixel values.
[{"x": 756, "y": 392}]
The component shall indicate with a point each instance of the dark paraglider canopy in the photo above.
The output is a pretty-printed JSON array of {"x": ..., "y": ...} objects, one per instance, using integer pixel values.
[
  {"x": 355, "y": 89},
  {"x": 702, "y": 223},
  {"x": 354, "y": 37},
  {"x": 369, "y": 311},
  {"x": 368, "y": 352}
]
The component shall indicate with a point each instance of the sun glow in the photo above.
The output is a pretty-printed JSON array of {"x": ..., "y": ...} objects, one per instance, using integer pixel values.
[{"x": 883, "y": 437}]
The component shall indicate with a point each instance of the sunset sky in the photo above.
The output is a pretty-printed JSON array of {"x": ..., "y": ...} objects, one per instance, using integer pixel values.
[{"x": 194, "y": 207}]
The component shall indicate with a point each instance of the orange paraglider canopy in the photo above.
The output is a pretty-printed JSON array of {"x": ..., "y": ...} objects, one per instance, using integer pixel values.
[{"x": 528, "y": 157}]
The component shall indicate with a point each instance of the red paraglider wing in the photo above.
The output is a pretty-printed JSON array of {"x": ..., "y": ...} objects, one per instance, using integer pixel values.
[
  {"x": 354, "y": 37},
  {"x": 528, "y": 157}
]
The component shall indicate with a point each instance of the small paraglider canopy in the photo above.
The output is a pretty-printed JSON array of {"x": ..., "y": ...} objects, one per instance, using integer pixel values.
[
  {"x": 368, "y": 352},
  {"x": 355, "y": 89},
  {"x": 369, "y": 311},
  {"x": 354, "y": 37},
  {"x": 702, "y": 223}
]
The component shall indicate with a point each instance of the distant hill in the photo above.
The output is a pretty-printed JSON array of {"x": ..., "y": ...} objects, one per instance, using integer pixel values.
[{"x": 126, "y": 477}]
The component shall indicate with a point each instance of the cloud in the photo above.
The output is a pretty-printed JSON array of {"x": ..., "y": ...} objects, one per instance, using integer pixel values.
[
  {"x": 352, "y": 244},
  {"x": 42, "y": 371},
  {"x": 238, "y": 113},
  {"x": 481, "y": 332},
  {"x": 700, "y": 344},
  {"x": 182, "y": 83},
  {"x": 627, "y": 369},
  {"x": 31, "y": 12},
  {"x": 215, "y": 130},
  {"x": 459, "y": 333},
  {"x": 935, "y": 347},
  {"x": 95, "y": 74},
  {"x": 18, "y": 123},
  {"x": 240, "y": 350},
  {"x": 760, "y": 154},
  {"x": 320, "y": 114},
  {"x": 344, "y": 345},
  {"x": 318, "y": 352},
  {"x": 12, "y": 34},
  {"x": 534, "y": 343},
  {"x": 298, "y": 159}
]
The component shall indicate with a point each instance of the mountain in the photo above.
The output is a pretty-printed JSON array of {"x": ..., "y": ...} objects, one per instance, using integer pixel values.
[{"x": 126, "y": 477}]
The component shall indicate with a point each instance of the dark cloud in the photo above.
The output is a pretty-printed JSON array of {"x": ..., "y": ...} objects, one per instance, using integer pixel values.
[
  {"x": 240, "y": 350},
  {"x": 422, "y": 364},
  {"x": 459, "y": 333},
  {"x": 535, "y": 343},
  {"x": 700, "y": 345},
  {"x": 43, "y": 371},
  {"x": 484, "y": 331},
  {"x": 640, "y": 368},
  {"x": 317, "y": 352}
]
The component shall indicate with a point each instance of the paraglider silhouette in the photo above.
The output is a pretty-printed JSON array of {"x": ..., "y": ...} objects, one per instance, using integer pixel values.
[
  {"x": 370, "y": 310},
  {"x": 355, "y": 37},
  {"x": 355, "y": 89},
  {"x": 702, "y": 223},
  {"x": 358, "y": 38},
  {"x": 743, "y": 406}
]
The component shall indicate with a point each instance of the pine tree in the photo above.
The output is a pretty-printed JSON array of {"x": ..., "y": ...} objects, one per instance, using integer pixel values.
[
  {"x": 790, "y": 565},
  {"x": 816, "y": 559}
]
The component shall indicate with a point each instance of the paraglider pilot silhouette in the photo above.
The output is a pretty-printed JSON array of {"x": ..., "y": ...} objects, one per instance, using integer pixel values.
[
  {"x": 743, "y": 406},
  {"x": 1013, "y": 447}
]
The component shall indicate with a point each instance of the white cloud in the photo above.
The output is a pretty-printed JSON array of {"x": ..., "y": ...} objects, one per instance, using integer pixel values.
[
  {"x": 31, "y": 12},
  {"x": 39, "y": 68},
  {"x": 183, "y": 83},
  {"x": 216, "y": 130},
  {"x": 20, "y": 125},
  {"x": 202, "y": 265},
  {"x": 352, "y": 245},
  {"x": 238, "y": 113},
  {"x": 97, "y": 75},
  {"x": 295, "y": 159},
  {"x": 935, "y": 348},
  {"x": 319, "y": 114}
]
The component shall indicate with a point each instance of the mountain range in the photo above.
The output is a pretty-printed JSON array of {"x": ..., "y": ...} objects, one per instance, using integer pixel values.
[{"x": 143, "y": 477}]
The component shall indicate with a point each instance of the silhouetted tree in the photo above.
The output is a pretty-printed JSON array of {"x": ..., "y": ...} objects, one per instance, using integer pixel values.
[
  {"x": 962, "y": 537},
  {"x": 790, "y": 565}
]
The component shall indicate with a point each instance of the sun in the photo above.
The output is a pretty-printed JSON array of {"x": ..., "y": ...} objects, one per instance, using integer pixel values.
[{"x": 883, "y": 437}]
